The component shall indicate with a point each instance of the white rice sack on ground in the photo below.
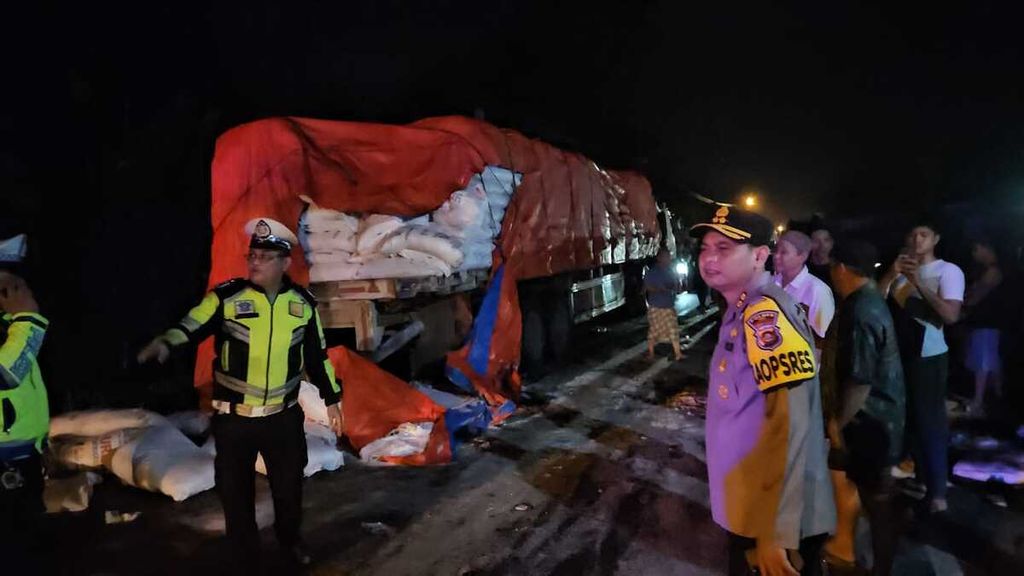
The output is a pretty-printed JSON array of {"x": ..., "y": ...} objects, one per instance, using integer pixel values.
[
  {"x": 330, "y": 257},
  {"x": 429, "y": 239},
  {"x": 191, "y": 422},
  {"x": 321, "y": 451},
  {"x": 164, "y": 460},
  {"x": 70, "y": 494},
  {"x": 406, "y": 440},
  {"x": 373, "y": 230},
  {"x": 339, "y": 241},
  {"x": 90, "y": 452},
  {"x": 100, "y": 422},
  {"x": 428, "y": 261},
  {"x": 312, "y": 404}
]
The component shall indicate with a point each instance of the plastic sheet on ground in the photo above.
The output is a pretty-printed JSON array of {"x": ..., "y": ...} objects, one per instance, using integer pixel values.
[
  {"x": 990, "y": 471},
  {"x": 409, "y": 439}
]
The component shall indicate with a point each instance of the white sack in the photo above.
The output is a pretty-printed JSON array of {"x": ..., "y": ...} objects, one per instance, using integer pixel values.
[
  {"x": 373, "y": 230},
  {"x": 100, "y": 422},
  {"x": 164, "y": 460},
  {"x": 321, "y": 451}
]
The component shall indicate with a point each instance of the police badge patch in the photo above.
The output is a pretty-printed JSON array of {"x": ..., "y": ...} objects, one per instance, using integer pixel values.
[
  {"x": 245, "y": 309},
  {"x": 296, "y": 309},
  {"x": 262, "y": 230},
  {"x": 766, "y": 329}
]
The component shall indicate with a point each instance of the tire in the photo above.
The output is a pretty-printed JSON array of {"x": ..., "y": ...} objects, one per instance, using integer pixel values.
[
  {"x": 533, "y": 345},
  {"x": 559, "y": 329}
]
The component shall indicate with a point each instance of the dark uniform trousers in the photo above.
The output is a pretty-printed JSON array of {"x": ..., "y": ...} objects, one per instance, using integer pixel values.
[
  {"x": 281, "y": 440},
  {"x": 22, "y": 548}
]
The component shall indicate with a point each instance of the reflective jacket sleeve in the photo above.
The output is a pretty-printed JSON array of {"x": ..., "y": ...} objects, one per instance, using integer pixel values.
[
  {"x": 19, "y": 351},
  {"x": 318, "y": 365},
  {"x": 197, "y": 324}
]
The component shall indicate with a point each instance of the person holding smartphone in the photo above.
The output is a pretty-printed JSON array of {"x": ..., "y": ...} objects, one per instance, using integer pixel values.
[{"x": 927, "y": 294}]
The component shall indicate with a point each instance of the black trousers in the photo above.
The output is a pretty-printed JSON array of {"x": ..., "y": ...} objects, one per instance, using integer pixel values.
[
  {"x": 22, "y": 543},
  {"x": 281, "y": 440},
  {"x": 810, "y": 553}
]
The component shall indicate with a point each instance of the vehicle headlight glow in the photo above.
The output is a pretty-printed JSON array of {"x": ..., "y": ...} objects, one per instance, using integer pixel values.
[{"x": 682, "y": 268}]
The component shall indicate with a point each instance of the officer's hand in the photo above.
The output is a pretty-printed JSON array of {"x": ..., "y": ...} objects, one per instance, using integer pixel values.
[
  {"x": 336, "y": 419},
  {"x": 772, "y": 560},
  {"x": 156, "y": 350},
  {"x": 15, "y": 295}
]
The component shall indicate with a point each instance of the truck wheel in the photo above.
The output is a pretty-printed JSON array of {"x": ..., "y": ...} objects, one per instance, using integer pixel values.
[
  {"x": 559, "y": 330},
  {"x": 533, "y": 343}
]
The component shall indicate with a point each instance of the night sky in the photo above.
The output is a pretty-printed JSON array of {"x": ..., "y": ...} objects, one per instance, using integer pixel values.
[{"x": 109, "y": 116}]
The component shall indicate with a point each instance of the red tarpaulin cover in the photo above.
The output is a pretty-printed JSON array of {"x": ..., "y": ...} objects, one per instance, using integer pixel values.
[{"x": 568, "y": 214}]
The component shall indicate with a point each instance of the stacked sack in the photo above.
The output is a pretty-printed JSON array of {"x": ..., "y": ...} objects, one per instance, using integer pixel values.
[
  {"x": 458, "y": 236},
  {"x": 157, "y": 453}
]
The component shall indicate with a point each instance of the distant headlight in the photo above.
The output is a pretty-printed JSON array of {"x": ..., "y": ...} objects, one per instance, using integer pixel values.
[{"x": 682, "y": 268}]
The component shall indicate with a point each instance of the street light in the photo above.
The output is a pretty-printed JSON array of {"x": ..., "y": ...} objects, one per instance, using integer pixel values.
[
  {"x": 780, "y": 228},
  {"x": 750, "y": 201}
]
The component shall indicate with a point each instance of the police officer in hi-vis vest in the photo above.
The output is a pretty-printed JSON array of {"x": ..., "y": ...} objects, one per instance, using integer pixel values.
[
  {"x": 24, "y": 417},
  {"x": 268, "y": 336}
]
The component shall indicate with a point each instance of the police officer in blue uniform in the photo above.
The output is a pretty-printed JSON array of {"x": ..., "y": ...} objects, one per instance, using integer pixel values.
[{"x": 766, "y": 447}]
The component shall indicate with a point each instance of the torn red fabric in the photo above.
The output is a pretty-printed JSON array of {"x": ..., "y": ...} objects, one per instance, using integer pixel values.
[{"x": 377, "y": 402}]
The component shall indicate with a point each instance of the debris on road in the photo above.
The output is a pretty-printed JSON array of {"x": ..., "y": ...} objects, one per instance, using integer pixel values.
[
  {"x": 116, "y": 517},
  {"x": 378, "y": 529}
]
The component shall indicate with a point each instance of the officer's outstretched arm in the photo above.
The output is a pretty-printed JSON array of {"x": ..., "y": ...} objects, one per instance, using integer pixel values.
[
  {"x": 19, "y": 351},
  {"x": 193, "y": 328}
]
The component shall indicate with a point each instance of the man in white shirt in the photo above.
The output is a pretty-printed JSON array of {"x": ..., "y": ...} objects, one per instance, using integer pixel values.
[
  {"x": 791, "y": 253},
  {"x": 928, "y": 293}
]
